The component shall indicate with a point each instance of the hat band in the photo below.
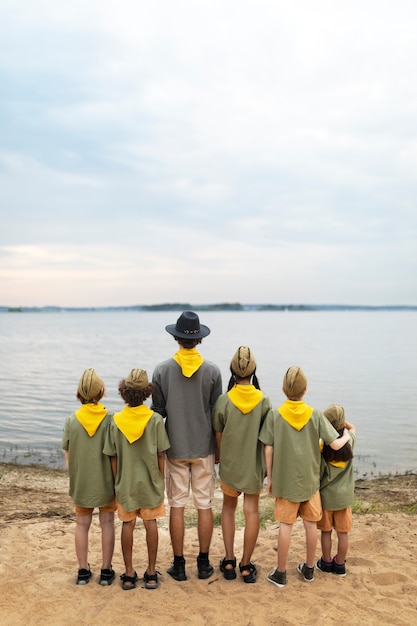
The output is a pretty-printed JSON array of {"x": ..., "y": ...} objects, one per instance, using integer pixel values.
[{"x": 189, "y": 332}]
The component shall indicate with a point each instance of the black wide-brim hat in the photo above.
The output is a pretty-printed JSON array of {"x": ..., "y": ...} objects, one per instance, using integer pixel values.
[{"x": 188, "y": 327}]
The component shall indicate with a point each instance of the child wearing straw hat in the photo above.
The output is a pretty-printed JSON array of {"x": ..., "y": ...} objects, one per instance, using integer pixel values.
[
  {"x": 291, "y": 435},
  {"x": 237, "y": 419},
  {"x": 136, "y": 442},
  {"x": 337, "y": 486},
  {"x": 91, "y": 481}
]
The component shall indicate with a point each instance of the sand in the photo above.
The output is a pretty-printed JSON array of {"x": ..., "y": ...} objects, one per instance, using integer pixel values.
[{"x": 38, "y": 566}]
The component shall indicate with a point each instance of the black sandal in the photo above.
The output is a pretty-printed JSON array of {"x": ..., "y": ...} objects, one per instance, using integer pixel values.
[
  {"x": 132, "y": 580},
  {"x": 106, "y": 577},
  {"x": 228, "y": 573},
  {"x": 251, "y": 568},
  {"x": 151, "y": 580}
]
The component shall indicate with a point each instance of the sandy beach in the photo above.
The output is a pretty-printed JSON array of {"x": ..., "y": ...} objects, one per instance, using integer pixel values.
[{"x": 38, "y": 566}]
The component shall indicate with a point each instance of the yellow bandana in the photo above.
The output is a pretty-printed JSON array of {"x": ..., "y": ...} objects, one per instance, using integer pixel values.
[
  {"x": 245, "y": 397},
  {"x": 296, "y": 413},
  {"x": 337, "y": 463},
  {"x": 188, "y": 360},
  {"x": 90, "y": 416},
  {"x": 132, "y": 421}
]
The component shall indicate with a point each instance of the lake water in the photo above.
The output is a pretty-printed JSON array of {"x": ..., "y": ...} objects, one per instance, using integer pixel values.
[{"x": 364, "y": 360}]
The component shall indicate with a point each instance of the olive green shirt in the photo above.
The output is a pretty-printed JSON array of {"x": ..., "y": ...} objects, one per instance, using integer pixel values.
[
  {"x": 139, "y": 482},
  {"x": 242, "y": 460},
  {"x": 91, "y": 481},
  {"x": 296, "y": 455}
]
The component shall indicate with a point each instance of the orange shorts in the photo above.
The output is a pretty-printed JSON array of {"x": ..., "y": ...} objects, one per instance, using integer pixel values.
[
  {"x": 341, "y": 521},
  {"x": 287, "y": 511},
  {"x": 145, "y": 514},
  {"x": 83, "y": 510},
  {"x": 229, "y": 491}
]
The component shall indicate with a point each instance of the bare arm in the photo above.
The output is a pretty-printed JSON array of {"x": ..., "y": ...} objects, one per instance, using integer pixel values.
[
  {"x": 113, "y": 460},
  {"x": 340, "y": 442},
  {"x": 351, "y": 428},
  {"x": 269, "y": 454},
  {"x": 161, "y": 462},
  {"x": 218, "y": 436},
  {"x": 66, "y": 458}
]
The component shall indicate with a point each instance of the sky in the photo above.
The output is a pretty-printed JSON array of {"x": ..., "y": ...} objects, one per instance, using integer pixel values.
[{"x": 208, "y": 151}]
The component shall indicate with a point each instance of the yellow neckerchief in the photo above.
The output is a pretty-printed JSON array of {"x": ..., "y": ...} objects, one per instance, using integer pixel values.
[
  {"x": 338, "y": 463},
  {"x": 90, "y": 416},
  {"x": 132, "y": 421},
  {"x": 296, "y": 413},
  {"x": 188, "y": 360},
  {"x": 245, "y": 397}
]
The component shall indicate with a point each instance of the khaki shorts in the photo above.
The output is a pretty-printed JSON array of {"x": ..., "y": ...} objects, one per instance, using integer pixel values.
[
  {"x": 287, "y": 511},
  {"x": 82, "y": 510},
  {"x": 144, "y": 514},
  {"x": 199, "y": 473},
  {"x": 341, "y": 521},
  {"x": 229, "y": 491}
]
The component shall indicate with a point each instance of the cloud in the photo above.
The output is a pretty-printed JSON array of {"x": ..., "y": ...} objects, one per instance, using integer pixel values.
[{"x": 224, "y": 142}]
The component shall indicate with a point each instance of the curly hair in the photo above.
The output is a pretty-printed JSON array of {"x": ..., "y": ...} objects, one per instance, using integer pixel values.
[{"x": 134, "y": 397}]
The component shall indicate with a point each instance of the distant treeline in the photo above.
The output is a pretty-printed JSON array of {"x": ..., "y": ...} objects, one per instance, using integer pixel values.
[{"x": 224, "y": 306}]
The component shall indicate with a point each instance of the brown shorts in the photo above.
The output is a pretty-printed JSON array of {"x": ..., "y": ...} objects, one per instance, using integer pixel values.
[
  {"x": 341, "y": 521},
  {"x": 229, "y": 491},
  {"x": 287, "y": 511},
  {"x": 83, "y": 510},
  {"x": 144, "y": 514}
]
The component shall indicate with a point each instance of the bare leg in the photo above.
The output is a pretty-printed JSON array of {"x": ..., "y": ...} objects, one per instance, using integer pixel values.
[
  {"x": 251, "y": 511},
  {"x": 342, "y": 547},
  {"x": 205, "y": 528},
  {"x": 151, "y": 527},
  {"x": 326, "y": 545},
  {"x": 81, "y": 539},
  {"x": 107, "y": 537},
  {"x": 311, "y": 541},
  {"x": 284, "y": 537},
  {"x": 177, "y": 530},
  {"x": 228, "y": 526},
  {"x": 127, "y": 546}
]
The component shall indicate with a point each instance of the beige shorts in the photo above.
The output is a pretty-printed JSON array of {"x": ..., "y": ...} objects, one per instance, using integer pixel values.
[
  {"x": 83, "y": 510},
  {"x": 199, "y": 473},
  {"x": 341, "y": 521},
  {"x": 144, "y": 514},
  {"x": 287, "y": 511}
]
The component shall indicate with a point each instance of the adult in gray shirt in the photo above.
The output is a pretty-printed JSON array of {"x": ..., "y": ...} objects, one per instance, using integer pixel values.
[{"x": 186, "y": 388}]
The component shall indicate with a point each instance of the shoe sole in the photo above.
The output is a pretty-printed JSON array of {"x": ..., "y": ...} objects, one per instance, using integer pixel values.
[{"x": 275, "y": 583}]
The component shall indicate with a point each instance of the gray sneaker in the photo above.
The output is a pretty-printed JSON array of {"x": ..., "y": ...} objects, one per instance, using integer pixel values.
[
  {"x": 306, "y": 572},
  {"x": 277, "y": 578}
]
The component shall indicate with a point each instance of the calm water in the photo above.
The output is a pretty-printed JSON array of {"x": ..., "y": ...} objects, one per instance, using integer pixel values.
[{"x": 364, "y": 360}]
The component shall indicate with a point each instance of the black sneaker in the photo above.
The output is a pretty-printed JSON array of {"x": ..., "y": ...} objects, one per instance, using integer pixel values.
[
  {"x": 177, "y": 570},
  {"x": 277, "y": 578},
  {"x": 106, "y": 577},
  {"x": 338, "y": 569},
  {"x": 325, "y": 566},
  {"x": 306, "y": 572},
  {"x": 84, "y": 576},
  {"x": 205, "y": 568}
]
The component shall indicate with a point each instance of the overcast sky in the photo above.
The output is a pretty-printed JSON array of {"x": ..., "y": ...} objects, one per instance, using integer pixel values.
[{"x": 206, "y": 151}]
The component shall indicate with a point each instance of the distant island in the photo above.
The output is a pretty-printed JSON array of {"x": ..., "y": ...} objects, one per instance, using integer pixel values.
[{"x": 224, "y": 306}]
